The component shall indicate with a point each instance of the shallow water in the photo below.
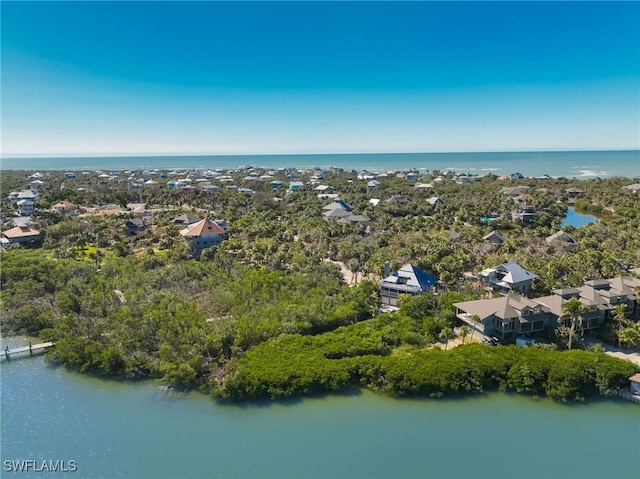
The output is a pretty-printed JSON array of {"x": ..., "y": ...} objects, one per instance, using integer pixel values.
[{"x": 120, "y": 429}]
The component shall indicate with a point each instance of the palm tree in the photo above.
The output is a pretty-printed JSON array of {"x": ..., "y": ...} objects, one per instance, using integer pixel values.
[
  {"x": 629, "y": 336},
  {"x": 573, "y": 310},
  {"x": 620, "y": 319},
  {"x": 464, "y": 331},
  {"x": 445, "y": 335},
  {"x": 476, "y": 320}
]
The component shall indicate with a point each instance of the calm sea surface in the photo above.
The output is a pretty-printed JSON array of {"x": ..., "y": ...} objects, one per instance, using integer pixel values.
[
  {"x": 117, "y": 429},
  {"x": 579, "y": 164}
]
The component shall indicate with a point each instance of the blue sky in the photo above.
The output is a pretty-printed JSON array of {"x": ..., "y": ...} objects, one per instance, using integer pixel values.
[{"x": 314, "y": 77}]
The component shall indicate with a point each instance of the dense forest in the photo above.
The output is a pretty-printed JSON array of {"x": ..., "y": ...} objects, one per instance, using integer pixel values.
[{"x": 269, "y": 313}]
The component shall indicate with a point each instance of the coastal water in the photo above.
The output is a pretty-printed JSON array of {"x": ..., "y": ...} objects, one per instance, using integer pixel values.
[
  {"x": 573, "y": 218},
  {"x": 118, "y": 429},
  {"x": 570, "y": 164}
]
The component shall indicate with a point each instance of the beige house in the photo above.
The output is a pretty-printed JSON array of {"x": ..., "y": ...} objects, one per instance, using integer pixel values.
[
  {"x": 505, "y": 317},
  {"x": 22, "y": 234}
]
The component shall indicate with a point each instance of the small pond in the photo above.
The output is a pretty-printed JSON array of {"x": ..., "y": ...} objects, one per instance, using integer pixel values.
[{"x": 576, "y": 219}]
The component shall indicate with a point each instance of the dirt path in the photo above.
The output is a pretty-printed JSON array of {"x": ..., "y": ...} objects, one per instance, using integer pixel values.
[{"x": 349, "y": 277}]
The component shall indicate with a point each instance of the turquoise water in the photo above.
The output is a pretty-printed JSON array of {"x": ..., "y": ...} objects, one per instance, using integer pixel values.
[
  {"x": 116, "y": 429},
  {"x": 576, "y": 219},
  {"x": 579, "y": 164}
]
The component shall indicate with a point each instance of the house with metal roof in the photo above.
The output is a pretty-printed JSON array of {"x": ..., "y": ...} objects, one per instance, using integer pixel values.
[
  {"x": 508, "y": 276},
  {"x": 407, "y": 280}
]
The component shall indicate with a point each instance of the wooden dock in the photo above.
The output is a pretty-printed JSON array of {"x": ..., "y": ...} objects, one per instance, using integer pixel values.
[{"x": 31, "y": 349}]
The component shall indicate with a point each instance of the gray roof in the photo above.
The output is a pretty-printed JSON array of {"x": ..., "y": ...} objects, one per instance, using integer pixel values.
[
  {"x": 560, "y": 236},
  {"x": 505, "y": 307},
  {"x": 354, "y": 218},
  {"x": 515, "y": 273},
  {"x": 338, "y": 204},
  {"x": 494, "y": 237},
  {"x": 336, "y": 213}
]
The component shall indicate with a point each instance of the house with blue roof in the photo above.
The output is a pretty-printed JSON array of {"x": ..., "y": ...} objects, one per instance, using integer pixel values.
[{"x": 407, "y": 280}]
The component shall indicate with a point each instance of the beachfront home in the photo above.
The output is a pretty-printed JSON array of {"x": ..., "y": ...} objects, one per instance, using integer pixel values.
[
  {"x": 295, "y": 185},
  {"x": 506, "y": 277},
  {"x": 435, "y": 200},
  {"x": 204, "y": 234},
  {"x": 407, "y": 280},
  {"x": 505, "y": 317}
]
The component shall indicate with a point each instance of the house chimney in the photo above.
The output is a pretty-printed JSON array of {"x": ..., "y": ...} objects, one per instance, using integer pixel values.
[{"x": 387, "y": 271}]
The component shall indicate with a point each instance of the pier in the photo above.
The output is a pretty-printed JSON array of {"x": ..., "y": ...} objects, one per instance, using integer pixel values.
[{"x": 32, "y": 349}]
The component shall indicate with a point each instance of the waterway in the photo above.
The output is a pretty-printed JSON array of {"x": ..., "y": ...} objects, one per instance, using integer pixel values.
[
  {"x": 117, "y": 429},
  {"x": 576, "y": 219}
]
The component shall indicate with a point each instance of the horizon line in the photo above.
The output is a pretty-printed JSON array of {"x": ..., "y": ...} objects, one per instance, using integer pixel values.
[{"x": 192, "y": 154}]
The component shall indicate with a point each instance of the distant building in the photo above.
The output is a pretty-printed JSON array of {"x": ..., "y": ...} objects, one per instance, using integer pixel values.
[
  {"x": 324, "y": 189},
  {"x": 562, "y": 239},
  {"x": 25, "y": 207},
  {"x": 22, "y": 234},
  {"x": 135, "y": 225},
  {"x": 204, "y": 234},
  {"x": 398, "y": 200},
  {"x": 185, "y": 220},
  {"x": 494, "y": 237}
]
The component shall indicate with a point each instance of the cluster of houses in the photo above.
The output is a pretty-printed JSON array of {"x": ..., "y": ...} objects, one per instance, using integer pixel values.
[{"x": 514, "y": 314}]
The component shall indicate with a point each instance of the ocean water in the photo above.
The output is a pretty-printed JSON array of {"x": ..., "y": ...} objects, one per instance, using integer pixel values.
[{"x": 570, "y": 164}]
